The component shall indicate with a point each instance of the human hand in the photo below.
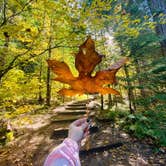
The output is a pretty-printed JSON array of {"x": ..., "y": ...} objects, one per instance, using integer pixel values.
[{"x": 78, "y": 130}]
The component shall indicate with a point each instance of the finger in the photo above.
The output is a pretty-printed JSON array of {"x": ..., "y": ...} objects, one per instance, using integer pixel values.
[
  {"x": 79, "y": 121},
  {"x": 86, "y": 134},
  {"x": 86, "y": 129},
  {"x": 84, "y": 125}
]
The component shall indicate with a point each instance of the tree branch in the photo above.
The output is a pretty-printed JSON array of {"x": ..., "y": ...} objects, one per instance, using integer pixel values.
[
  {"x": 11, "y": 64},
  {"x": 14, "y": 14}
]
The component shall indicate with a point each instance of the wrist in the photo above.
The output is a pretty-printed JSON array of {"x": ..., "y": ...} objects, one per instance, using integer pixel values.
[
  {"x": 75, "y": 136},
  {"x": 72, "y": 142},
  {"x": 72, "y": 138}
]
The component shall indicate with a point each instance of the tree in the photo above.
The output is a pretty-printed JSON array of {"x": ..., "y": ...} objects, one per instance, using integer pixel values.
[{"x": 158, "y": 9}]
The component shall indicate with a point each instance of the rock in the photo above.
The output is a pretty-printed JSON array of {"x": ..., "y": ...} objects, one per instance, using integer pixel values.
[
  {"x": 140, "y": 161},
  {"x": 124, "y": 135},
  {"x": 162, "y": 161},
  {"x": 105, "y": 153},
  {"x": 108, "y": 130}
]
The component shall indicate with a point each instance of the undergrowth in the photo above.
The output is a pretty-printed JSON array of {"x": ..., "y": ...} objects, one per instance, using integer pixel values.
[{"x": 150, "y": 124}]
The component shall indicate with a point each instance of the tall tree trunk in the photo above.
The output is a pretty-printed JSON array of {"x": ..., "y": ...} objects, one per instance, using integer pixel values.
[
  {"x": 115, "y": 101},
  {"x": 131, "y": 97},
  {"x": 101, "y": 96},
  {"x": 48, "y": 92},
  {"x": 4, "y": 11},
  {"x": 109, "y": 100},
  {"x": 159, "y": 7},
  {"x": 6, "y": 44},
  {"x": 102, "y": 102},
  {"x": 140, "y": 80},
  {"x": 40, "y": 99}
]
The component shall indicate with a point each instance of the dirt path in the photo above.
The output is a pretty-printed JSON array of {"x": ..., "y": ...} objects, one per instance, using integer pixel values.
[
  {"x": 126, "y": 155},
  {"x": 33, "y": 146}
]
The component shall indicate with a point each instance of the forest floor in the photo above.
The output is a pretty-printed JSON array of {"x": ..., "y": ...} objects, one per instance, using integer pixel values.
[{"x": 35, "y": 141}]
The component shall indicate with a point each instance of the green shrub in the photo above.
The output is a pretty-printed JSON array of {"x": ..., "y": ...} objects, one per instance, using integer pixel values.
[
  {"x": 117, "y": 114},
  {"x": 148, "y": 124},
  {"x": 122, "y": 113},
  {"x": 112, "y": 115}
]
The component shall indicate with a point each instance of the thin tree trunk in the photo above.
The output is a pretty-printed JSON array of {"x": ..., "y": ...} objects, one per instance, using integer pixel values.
[
  {"x": 115, "y": 101},
  {"x": 109, "y": 100},
  {"x": 102, "y": 102},
  {"x": 131, "y": 98},
  {"x": 6, "y": 44},
  {"x": 101, "y": 97},
  {"x": 40, "y": 99},
  {"x": 4, "y": 11},
  {"x": 159, "y": 7},
  {"x": 140, "y": 80},
  {"x": 48, "y": 92},
  {"x": 135, "y": 90}
]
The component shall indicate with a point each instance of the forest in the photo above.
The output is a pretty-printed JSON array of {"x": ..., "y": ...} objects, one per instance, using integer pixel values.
[{"x": 33, "y": 32}]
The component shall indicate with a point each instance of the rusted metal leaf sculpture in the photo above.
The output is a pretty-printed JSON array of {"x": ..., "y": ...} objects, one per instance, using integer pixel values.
[{"x": 85, "y": 62}]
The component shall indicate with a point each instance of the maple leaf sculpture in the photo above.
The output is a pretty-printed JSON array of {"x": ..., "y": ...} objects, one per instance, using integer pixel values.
[{"x": 85, "y": 62}]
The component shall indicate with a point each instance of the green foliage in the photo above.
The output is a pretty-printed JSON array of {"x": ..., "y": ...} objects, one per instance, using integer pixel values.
[
  {"x": 112, "y": 115},
  {"x": 28, "y": 67},
  {"x": 16, "y": 86},
  {"x": 30, "y": 30},
  {"x": 21, "y": 110},
  {"x": 148, "y": 124},
  {"x": 117, "y": 114},
  {"x": 5, "y": 135},
  {"x": 9, "y": 136},
  {"x": 3, "y": 132}
]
